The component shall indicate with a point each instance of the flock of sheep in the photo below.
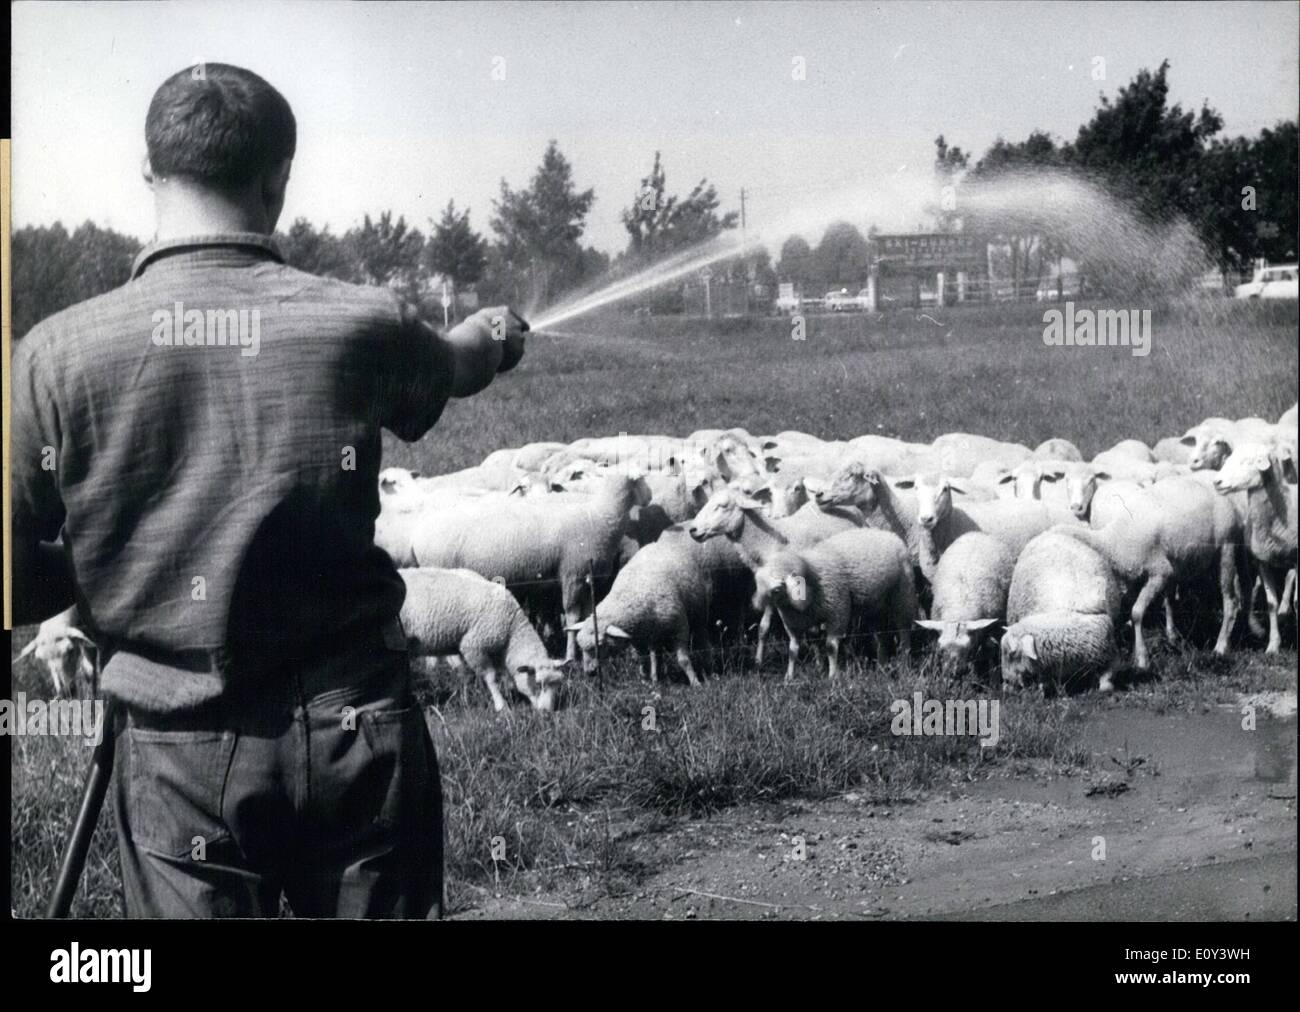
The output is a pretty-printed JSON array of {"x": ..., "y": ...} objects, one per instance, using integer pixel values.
[{"x": 664, "y": 543}]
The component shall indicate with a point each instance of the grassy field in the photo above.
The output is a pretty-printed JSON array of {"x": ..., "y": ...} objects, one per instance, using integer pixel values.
[{"x": 567, "y": 791}]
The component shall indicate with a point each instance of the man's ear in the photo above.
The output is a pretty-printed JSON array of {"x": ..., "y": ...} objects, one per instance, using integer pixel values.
[
  {"x": 146, "y": 171},
  {"x": 275, "y": 183}
]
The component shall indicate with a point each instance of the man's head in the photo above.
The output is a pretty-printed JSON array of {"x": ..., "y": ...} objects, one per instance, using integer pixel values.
[{"x": 221, "y": 135}]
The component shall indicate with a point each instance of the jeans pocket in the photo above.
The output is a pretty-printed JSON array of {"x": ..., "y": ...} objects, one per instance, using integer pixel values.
[
  {"x": 178, "y": 782},
  {"x": 399, "y": 766}
]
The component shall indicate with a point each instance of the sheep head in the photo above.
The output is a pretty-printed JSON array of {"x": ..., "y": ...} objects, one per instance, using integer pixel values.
[
  {"x": 933, "y": 499},
  {"x": 541, "y": 682},
  {"x": 67, "y": 653},
  {"x": 1210, "y": 446},
  {"x": 852, "y": 484},
  {"x": 1249, "y": 465},
  {"x": 1020, "y": 666},
  {"x": 723, "y": 514},
  {"x": 957, "y": 640}
]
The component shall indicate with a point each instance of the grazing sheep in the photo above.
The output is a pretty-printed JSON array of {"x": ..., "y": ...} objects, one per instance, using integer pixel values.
[
  {"x": 1062, "y": 609},
  {"x": 1013, "y": 522},
  {"x": 668, "y": 596},
  {"x": 970, "y": 594},
  {"x": 535, "y": 543},
  {"x": 457, "y": 612},
  {"x": 69, "y": 655},
  {"x": 1057, "y": 450},
  {"x": 731, "y": 514},
  {"x": 864, "y": 574},
  {"x": 1263, "y": 473},
  {"x": 1171, "y": 533}
]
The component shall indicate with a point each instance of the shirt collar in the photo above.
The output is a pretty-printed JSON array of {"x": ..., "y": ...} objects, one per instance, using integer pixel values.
[{"x": 165, "y": 247}]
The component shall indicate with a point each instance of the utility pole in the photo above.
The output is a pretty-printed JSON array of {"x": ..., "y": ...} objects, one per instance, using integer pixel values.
[{"x": 742, "y": 217}]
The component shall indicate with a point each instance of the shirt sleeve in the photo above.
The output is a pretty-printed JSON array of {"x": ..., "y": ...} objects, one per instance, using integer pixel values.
[
  {"x": 37, "y": 442},
  {"x": 416, "y": 378}
]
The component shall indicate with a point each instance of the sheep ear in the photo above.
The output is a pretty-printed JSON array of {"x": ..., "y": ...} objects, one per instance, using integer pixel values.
[
  {"x": 616, "y": 633},
  {"x": 1006, "y": 477},
  {"x": 900, "y": 483},
  {"x": 772, "y": 464},
  {"x": 1056, "y": 474},
  {"x": 1027, "y": 647},
  {"x": 1287, "y": 465},
  {"x": 1102, "y": 475},
  {"x": 976, "y": 624},
  {"x": 955, "y": 486},
  {"x": 518, "y": 488},
  {"x": 31, "y": 645},
  {"x": 575, "y": 626},
  {"x": 1188, "y": 440},
  {"x": 929, "y": 623}
]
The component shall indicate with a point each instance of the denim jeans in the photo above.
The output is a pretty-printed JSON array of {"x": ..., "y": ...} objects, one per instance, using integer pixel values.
[{"x": 330, "y": 797}]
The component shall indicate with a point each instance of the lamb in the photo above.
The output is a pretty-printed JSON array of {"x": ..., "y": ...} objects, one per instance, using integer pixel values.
[
  {"x": 667, "y": 597},
  {"x": 1013, "y": 522},
  {"x": 1168, "y": 533},
  {"x": 860, "y": 573},
  {"x": 730, "y": 513},
  {"x": 970, "y": 594},
  {"x": 1062, "y": 609},
  {"x": 69, "y": 655},
  {"x": 535, "y": 542},
  {"x": 1262, "y": 472},
  {"x": 456, "y": 611}
]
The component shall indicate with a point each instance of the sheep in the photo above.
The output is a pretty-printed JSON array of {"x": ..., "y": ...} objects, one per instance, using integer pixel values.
[
  {"x": 732, "y": 514},
  {"x": 957, "y": 453},
  {"x": 1263, "y": 473},
  {"x": 69, "y": 655},
  {"x": 1287, "y": 428},
  {"x": 1127, "y": 449},
  {"x": 883, "y": 505},
  {"x": 1062, "y": 608},
  {"x": 535, "y": 541},
  {"x": 1025, "y": 481},
  {"x": 667, "y": 596},
  {"x": 1057, "y": 450},
  {"x": 531, "y": 457},
  {"x": 860, "y": 573},
  {"x": 889, "y": 455},
  {"x": 1165, "y": 534},
  {"x": 1171, "y": 450},
  {"x": 970, "y": 593},
  {"x": 1013, "y": 522},
  {"x": 1212, "y": 441},
  {"x": 456, "y": 611}
]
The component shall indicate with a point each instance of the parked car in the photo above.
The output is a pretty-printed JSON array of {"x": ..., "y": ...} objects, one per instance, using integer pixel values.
[
  {"x": 1047, "y": 291},
  {"x": 1280, "y": 282},
  {"x": 839, "y": 300}
]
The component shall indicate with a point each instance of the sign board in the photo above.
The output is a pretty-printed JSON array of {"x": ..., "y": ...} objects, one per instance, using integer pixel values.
[{"x": 930, "y": 249}]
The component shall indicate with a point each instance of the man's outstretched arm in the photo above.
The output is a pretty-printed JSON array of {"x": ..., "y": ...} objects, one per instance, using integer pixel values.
[{"x": 489, "y": 342}]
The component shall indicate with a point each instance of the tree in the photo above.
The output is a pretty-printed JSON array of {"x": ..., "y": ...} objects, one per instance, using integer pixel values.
[
  {"x": 842, "y": 258},
  {"x": 795, "y": 264},
  {"x": 53, "y": 270},
  {"x": 658, "y": 223},
  {"x": 317, "y": 251},
  {"x": 949, "y": 165},
  {"x": 455, "y": 250},
  {"x": 538, "y": 230},
  {"x": 388, "y": 253}
]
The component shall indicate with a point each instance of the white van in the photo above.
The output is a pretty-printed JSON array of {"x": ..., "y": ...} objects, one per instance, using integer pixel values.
[{"x": 1280, "y": 282}]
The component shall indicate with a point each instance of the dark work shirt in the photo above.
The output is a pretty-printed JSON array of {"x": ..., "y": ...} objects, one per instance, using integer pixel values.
[{"x": 207, "y": 439}]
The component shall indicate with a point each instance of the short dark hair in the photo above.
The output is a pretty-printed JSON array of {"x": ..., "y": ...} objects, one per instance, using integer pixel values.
[{"x": 219, "y": 125}]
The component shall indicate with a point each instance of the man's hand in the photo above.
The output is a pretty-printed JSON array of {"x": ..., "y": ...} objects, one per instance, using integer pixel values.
[{"x": 489, "y": 342}]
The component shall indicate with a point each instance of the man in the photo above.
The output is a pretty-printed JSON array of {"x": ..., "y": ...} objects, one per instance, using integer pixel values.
[{"x": 206, "y": 441}]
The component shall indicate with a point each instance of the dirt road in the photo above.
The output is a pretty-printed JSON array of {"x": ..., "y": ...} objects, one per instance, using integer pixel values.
[{"x": 1181, "y": 817}]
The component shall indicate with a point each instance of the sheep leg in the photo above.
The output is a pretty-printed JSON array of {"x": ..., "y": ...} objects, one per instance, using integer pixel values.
[
  {"x": 1171, "y": 630},
  {"x": 832, "y": 657},
  {"x": 1252, "y": 619},
  {"x": 494, "y": 690},
  {"x": 1269, "y": 576},
  {"x": 684, "y": 659},
  {"x": 1154, "y": 586},
  {"x": 1229, "y": 585},
  {"x": 764, "y": 624},
  {"x": 1287, "y": 604},
  {"x": 794, "y": 656},
  {"x": 654, "y": 664}
]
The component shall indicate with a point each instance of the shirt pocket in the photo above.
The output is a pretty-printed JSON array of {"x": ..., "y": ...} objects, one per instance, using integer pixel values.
[{"x": 178, "y": 785}]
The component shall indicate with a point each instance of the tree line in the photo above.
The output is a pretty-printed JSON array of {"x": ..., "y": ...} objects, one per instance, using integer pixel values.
[{"x": 1163, "y": 162}]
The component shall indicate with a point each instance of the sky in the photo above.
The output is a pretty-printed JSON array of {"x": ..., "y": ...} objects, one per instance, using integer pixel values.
[{"x": 398, "y": 105}]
